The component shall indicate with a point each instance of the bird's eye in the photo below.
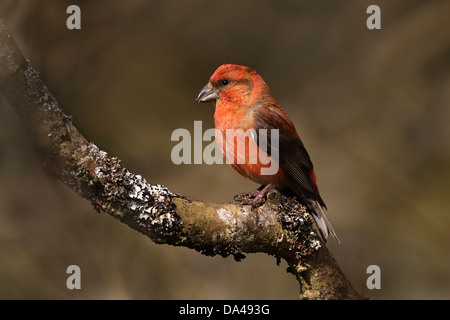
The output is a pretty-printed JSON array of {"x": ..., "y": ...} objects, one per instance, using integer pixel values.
[{"x": 225, "y": 82}]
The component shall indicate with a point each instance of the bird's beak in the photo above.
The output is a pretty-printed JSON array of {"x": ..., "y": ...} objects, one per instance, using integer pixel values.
[{"x": 208, "y": 93}]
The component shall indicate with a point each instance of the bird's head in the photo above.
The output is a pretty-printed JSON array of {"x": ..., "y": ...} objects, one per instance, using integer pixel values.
[{"x": 232, "y": 83}]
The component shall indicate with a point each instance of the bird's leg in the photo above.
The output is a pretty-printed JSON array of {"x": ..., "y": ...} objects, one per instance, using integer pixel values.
[
  {"x": 250, "y": 194},
  {"x": 255, "y": 198}
]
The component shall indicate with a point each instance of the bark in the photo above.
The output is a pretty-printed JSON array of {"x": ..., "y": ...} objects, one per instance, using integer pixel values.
[{"x": 281, "y": 227}]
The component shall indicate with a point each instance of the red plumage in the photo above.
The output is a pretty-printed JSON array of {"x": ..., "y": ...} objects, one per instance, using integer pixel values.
[{"x": 245, "y": 106}]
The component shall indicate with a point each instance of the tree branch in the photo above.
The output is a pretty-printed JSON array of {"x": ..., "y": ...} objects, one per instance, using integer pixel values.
[{"x": 281, "y": 227}]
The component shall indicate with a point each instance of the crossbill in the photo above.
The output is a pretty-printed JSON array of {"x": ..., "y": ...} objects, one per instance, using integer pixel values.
[{"x": 243, "y": 103}]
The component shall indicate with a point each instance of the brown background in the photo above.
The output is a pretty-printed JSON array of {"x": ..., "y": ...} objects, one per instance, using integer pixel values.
[{"x": 372, "y": 108}]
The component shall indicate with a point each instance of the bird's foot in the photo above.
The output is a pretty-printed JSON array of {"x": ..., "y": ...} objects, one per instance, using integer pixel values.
[
  {"x": 253, "y": 198},
  {"x": 246, "y": 195}
]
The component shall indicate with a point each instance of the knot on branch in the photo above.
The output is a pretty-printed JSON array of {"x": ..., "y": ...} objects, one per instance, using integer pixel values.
[{"x": 273, "y": 196}]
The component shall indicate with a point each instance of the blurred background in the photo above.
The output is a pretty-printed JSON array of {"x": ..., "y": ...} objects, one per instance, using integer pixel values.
[{"x": 371, "y": 106}]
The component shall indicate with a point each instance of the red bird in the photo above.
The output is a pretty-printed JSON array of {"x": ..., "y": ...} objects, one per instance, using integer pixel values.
[{"x": 243, "y": 101}]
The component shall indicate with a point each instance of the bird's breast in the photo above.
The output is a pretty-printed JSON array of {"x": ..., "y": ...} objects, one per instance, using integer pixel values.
[{"x": 236, "y": 137}]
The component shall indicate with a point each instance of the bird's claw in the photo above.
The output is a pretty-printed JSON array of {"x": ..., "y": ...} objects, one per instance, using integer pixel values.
[
  {"x": 246, "y": 195},
  {"x": 253, "y": 198}
]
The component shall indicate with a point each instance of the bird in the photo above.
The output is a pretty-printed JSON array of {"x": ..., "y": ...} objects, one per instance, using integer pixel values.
[{"x": 244, "y": 104}]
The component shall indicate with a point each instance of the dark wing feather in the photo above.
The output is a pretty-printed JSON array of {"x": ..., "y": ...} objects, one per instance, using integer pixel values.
[{"x": 293, "y": 157}]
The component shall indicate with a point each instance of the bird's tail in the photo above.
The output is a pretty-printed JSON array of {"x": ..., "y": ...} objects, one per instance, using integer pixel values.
[{"x": 321, "y": 219}]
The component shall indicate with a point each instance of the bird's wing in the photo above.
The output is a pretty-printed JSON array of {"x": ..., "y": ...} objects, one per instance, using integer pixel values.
[{"x": 293, "y": 157}]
